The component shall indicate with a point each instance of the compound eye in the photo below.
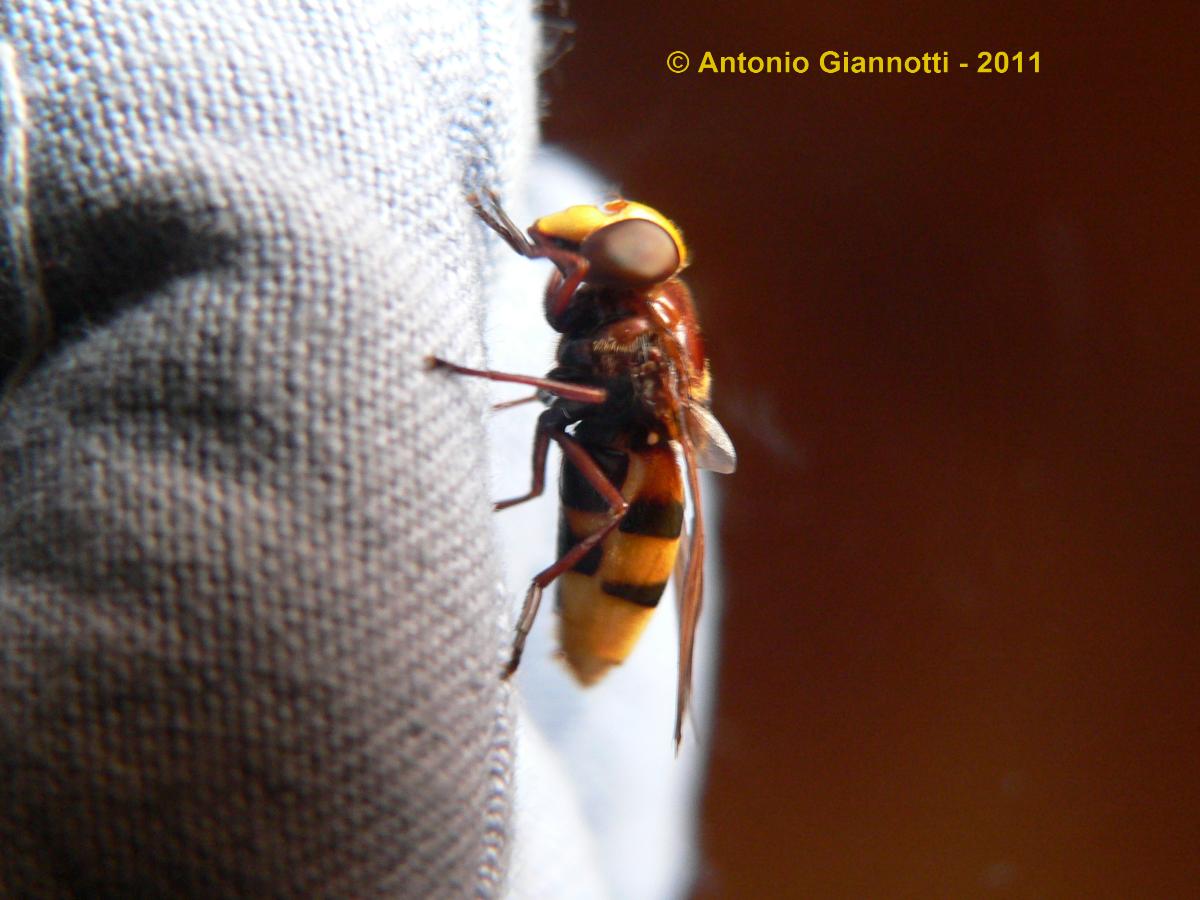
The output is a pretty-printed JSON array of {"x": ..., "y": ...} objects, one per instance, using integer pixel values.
[{"x": 635, "y": 252}]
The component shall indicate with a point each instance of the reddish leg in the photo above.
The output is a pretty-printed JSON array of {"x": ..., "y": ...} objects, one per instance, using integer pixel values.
[
  {"x": 564, "y": 389},
  {"x": 509, "y": 404},
  {"x": 541, "y": 443},
  {"x": 497, "y": 220},
  {"x": 587, "y": 467},
  {"x": 572, "y": 266},
  {"x": 560, "y": 290}
]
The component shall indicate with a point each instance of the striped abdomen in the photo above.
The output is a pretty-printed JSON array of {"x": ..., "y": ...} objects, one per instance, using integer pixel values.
[{"x": 606, "y": 600}]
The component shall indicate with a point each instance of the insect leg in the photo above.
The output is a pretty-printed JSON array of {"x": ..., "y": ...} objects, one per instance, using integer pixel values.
[
  {"x": 561, "y": 289},
  {"x": 509, "y": 404},
  {"x": 587, "y": 467},
  {"x": 564, "y": 389},
  {"x": 497, "y": 220},
  {"x": 571, "y": 265},
  {"x": 548, "y": 423}
]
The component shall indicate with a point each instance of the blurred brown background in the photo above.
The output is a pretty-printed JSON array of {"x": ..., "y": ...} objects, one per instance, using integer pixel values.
[{"x": 954, "y": 324}]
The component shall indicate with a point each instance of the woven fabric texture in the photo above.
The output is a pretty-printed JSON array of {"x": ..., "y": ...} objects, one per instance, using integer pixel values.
[{"x": 250, "y": 616}]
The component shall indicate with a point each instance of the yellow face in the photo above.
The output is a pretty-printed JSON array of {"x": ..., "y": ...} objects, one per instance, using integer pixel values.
[{"x": 576, "y": 224}]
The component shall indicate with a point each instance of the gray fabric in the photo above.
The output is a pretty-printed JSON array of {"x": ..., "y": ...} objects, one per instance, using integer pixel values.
[{"x": 249, "y": 609}]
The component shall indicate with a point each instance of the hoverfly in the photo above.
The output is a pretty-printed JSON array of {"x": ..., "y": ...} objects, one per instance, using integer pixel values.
[{"x": 632, "y": 382}]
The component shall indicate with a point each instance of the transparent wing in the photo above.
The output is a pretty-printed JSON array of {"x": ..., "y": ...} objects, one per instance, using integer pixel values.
[
  {"x": 713, "y": 448},
  {"x": 682, "y": 561},
  {"x": 691, "y": 595}
]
